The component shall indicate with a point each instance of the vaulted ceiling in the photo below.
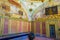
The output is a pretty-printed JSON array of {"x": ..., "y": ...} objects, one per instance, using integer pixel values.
[{"x": 31, "y": 8}]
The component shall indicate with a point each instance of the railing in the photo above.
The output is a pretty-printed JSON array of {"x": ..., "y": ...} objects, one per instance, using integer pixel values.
[
  {"x": 12, "y": 36},
  {"x": 30, "y": 36}
]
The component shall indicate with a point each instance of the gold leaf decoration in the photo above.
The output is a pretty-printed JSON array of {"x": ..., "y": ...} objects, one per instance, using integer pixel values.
[
  {"x": 7, "y": 14},
  {"x": 5, "y": 7}
]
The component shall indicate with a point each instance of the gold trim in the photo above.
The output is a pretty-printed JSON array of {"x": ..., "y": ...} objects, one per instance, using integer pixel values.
[{"x": 34, "y": 27}]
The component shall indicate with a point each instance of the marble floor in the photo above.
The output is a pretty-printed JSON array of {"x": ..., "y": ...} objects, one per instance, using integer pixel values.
[{"x": 36, "y": 38}]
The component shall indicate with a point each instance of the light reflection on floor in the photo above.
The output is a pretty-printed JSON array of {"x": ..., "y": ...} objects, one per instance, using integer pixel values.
[{"x": 36, "y": 38}]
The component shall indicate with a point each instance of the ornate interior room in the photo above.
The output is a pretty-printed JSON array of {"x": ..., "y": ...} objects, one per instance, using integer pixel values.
[{"x": 20, "y": 17}]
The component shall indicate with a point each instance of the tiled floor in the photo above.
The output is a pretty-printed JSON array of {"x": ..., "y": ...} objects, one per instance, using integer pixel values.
[{"x": 36, "y": 38}]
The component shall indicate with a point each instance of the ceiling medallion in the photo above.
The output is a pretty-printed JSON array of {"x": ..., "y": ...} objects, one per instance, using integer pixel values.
[{"x": 30, "y": 9}]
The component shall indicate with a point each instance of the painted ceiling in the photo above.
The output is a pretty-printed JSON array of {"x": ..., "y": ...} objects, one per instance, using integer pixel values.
[{"x": 31, "y": 8}]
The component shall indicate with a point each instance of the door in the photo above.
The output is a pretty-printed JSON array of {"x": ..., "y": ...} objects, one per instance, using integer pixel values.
[{"x": 52, "y": 31}]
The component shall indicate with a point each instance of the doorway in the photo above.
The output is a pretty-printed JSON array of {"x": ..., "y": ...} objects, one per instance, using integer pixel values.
[{"x": 52, "y": 31}]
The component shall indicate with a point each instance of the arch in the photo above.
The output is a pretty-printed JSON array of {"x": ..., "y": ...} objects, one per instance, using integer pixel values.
[
  {"x": 19, "y": 5},
  {"x": 40, "y": 8},
  {"x": 40, "y": 12}
]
